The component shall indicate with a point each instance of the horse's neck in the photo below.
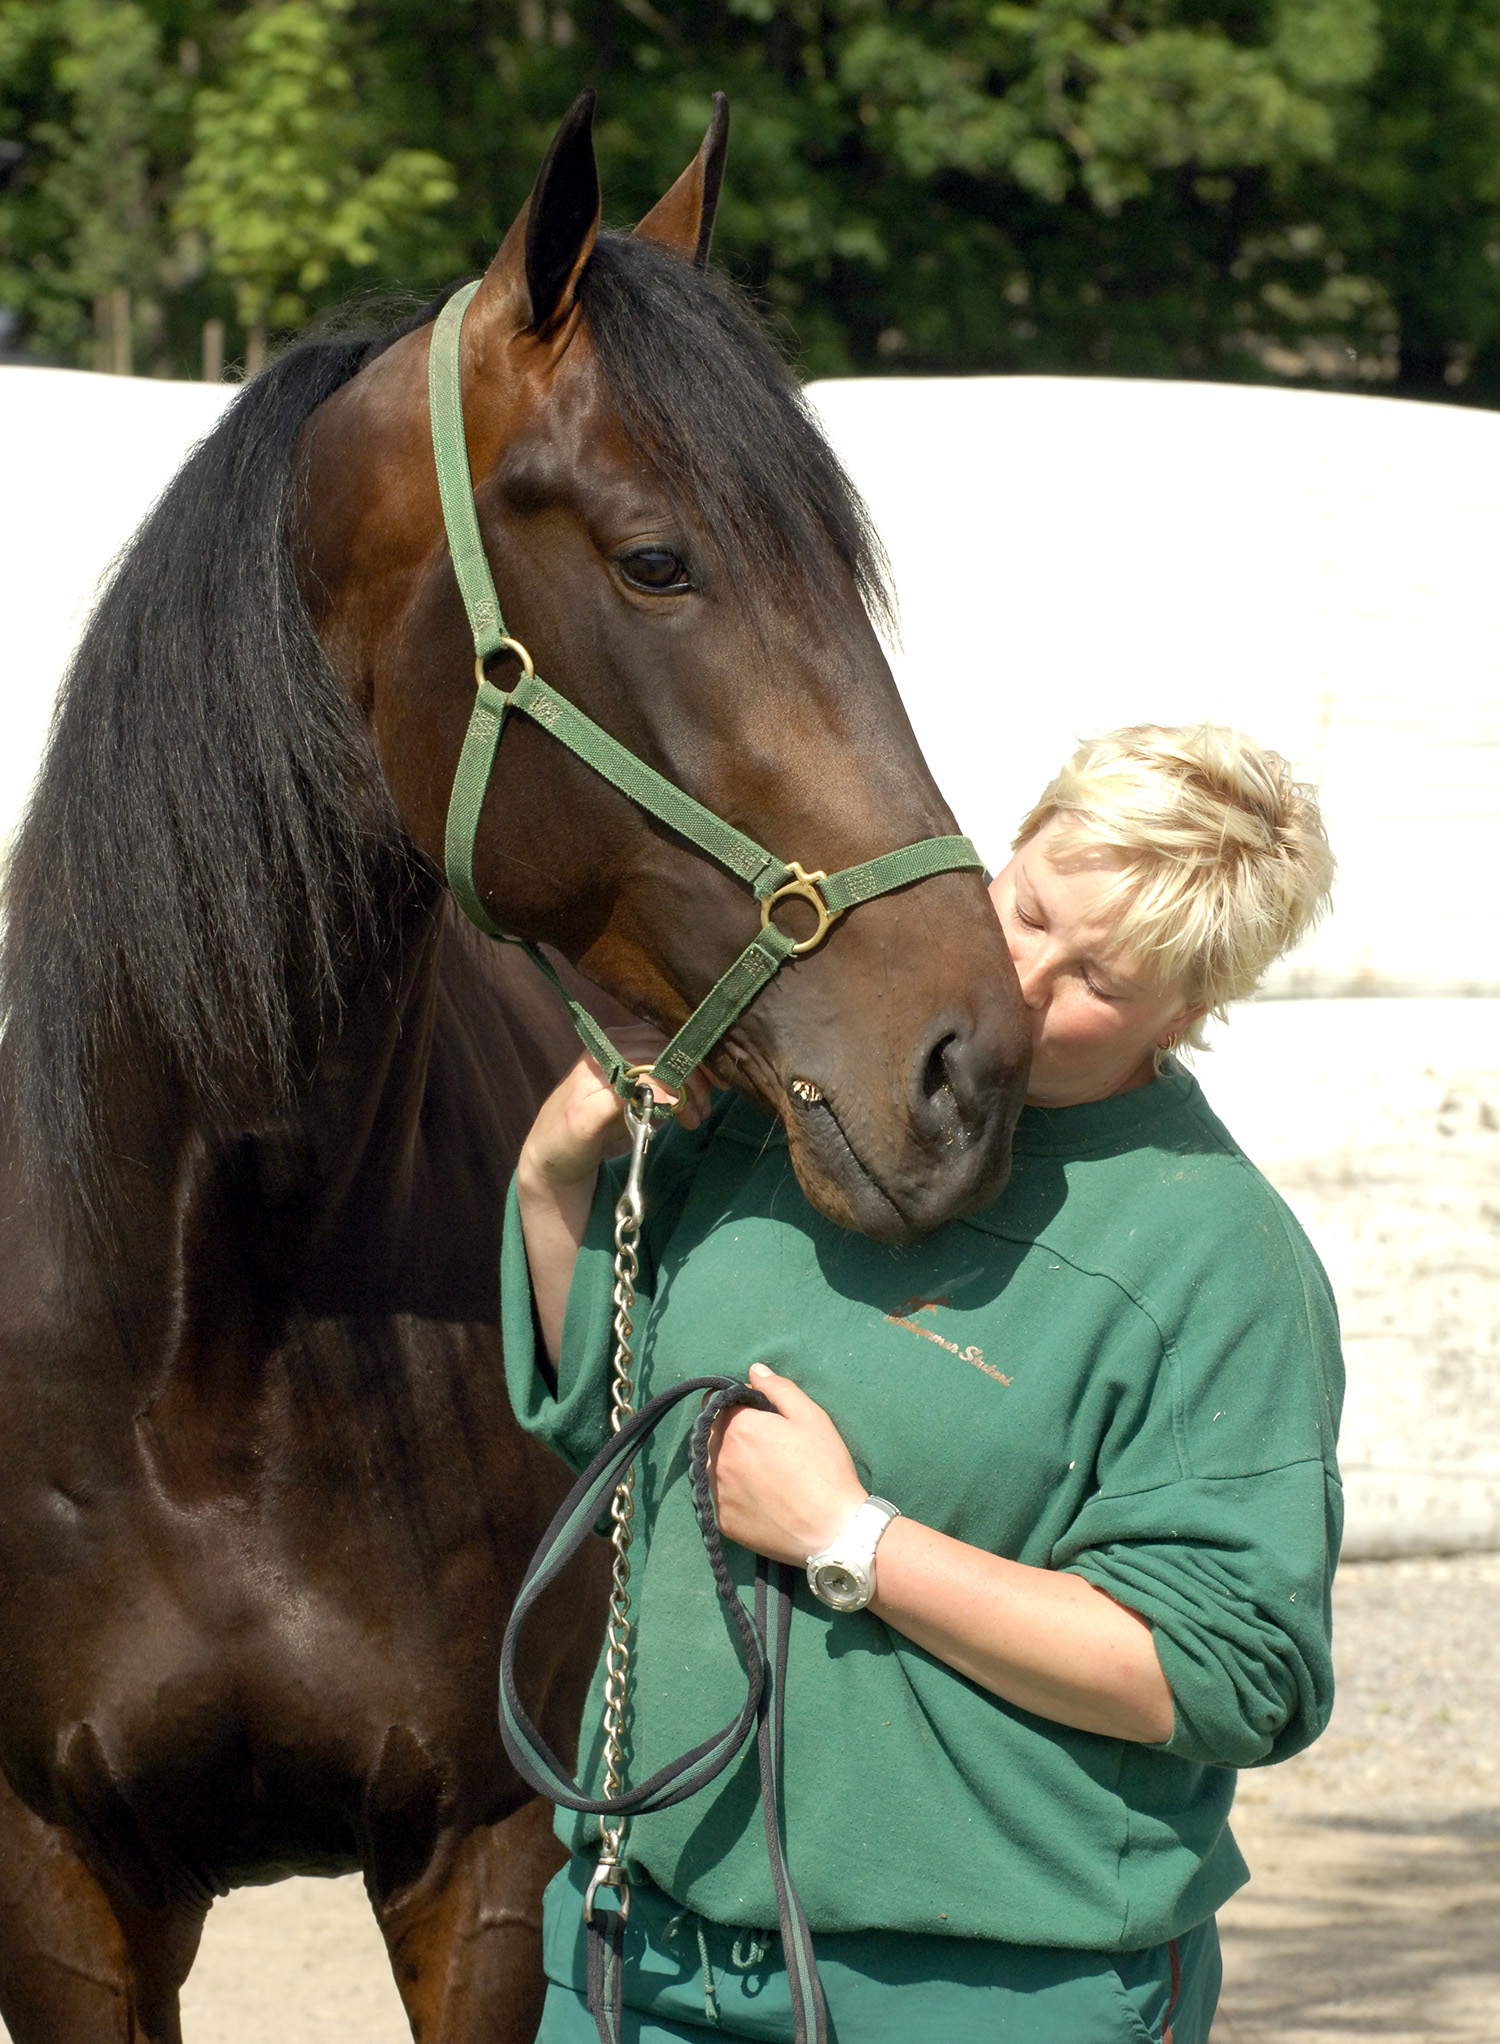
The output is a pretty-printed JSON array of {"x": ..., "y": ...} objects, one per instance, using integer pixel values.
[
  {"x": 213, "y": 1235},
  {"x": 381, "y": 1195}
]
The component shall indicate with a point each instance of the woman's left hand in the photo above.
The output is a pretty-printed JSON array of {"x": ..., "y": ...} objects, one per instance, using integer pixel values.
[{"x": 784, "y": 1484}]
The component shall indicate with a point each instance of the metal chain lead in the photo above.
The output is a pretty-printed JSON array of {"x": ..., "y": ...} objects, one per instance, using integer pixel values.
[{"x": 640, "y": 1120}]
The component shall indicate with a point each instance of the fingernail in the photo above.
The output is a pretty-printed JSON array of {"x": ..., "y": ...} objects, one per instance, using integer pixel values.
[{"x": 759, "y": 1370}]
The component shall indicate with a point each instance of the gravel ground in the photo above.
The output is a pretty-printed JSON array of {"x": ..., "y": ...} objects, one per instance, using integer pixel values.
[{"x": 1373, "y": 1909}]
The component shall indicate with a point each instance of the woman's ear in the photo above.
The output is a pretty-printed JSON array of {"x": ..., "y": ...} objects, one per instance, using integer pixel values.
[{"x": 1170, "y": 1037}]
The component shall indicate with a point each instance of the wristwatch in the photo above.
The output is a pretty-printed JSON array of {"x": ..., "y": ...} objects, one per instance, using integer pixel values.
[{"x": 843, "y": 1575}]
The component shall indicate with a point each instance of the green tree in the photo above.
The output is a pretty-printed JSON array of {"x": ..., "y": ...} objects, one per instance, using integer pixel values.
[
  {"x": 83, "y": 244},
  {"x": 952, "y": 184},
  {"x": 288, "y": 183},
  {"x": 1293, "y": 190},
  {"x": 1412, "y": 200}
]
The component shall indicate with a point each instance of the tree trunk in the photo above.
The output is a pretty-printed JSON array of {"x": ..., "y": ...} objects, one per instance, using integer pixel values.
[
  {"x": 119, "y": 332},
  {"x": 255, "y": 348},
  {"x": 213, "y": 351}
]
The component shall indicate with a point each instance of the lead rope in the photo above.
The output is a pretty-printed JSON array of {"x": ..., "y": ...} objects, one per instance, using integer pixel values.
[
  {"x": 605, "y": 1928},
  {"x": 764, "y": 1636}
]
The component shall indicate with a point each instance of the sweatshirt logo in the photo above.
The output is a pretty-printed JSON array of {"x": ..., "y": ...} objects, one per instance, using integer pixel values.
[{"x": 905, "y": 1314}]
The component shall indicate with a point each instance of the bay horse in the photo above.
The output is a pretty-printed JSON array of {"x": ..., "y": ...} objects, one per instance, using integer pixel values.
[{"x": 263, "y": 1505}]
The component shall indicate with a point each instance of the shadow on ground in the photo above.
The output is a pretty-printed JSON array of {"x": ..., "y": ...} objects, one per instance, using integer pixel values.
[{"x": 1353, "y": 1928}]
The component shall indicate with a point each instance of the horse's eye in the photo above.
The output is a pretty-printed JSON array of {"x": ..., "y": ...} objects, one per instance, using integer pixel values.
[{"x": 655, "y": 568}]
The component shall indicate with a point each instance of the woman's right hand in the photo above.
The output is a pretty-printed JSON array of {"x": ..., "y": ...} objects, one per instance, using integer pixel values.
[{"x": 581, "y": 1122}]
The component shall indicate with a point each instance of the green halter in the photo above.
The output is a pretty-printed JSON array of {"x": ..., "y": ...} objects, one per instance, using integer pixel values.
[{"x": 769, "y": 878}]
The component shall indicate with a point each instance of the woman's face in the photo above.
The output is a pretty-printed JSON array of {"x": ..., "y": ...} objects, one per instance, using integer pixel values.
[{"x": 1097, "y": 1018}]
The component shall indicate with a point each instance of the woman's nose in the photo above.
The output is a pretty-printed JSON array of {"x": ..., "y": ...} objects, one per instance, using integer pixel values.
[{"x": 1035, "y": 975}]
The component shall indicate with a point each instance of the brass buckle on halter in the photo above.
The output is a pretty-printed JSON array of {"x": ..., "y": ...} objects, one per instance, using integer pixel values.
[
  {"x": 516, "y": 647},
  {"x": 805, "y": 888}
]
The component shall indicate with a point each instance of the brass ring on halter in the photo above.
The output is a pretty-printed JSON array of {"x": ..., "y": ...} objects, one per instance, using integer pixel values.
[
  {"x": 516, "y": 647},
  {"x": 641, "y": 1080},
  {"x": 804, "y": 888}
]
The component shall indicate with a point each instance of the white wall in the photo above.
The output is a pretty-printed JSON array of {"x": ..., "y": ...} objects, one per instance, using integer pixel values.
[
  {"x": 85, "y": 457},
  {"x": 1379, "y": 1122},
  {"x": 1074, "y": 554}
]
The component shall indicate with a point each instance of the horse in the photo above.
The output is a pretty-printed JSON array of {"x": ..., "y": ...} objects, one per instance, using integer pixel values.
[{"x": 264, "y": 1507}]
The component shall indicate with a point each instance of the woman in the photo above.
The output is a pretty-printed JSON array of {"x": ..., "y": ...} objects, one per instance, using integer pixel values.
[{"x": 1106, "y": 1407}]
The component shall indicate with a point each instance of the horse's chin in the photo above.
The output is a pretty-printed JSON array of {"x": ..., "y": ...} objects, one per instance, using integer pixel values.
[{"x": 839, "y": 1183}]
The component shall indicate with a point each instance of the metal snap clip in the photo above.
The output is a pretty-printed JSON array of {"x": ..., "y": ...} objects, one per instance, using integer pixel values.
[{"x": 608, "y": 1874}]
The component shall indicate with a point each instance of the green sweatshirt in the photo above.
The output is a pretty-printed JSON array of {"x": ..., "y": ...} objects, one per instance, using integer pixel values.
[{"x": 1128, "y": 1367}]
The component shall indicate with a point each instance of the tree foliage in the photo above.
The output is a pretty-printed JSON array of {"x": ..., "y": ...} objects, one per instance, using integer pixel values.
[
  {"x": 103, "y": 112},
  {"x": 277, "y": 182},
  {"x": 1300, "y": 190}
]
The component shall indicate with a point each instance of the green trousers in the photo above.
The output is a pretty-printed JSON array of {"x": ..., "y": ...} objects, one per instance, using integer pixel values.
[{"x": 688, "y": 1981}]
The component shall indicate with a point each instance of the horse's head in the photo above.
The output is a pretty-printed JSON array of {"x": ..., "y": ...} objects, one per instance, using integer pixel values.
[{"x": 678, "y": 547}]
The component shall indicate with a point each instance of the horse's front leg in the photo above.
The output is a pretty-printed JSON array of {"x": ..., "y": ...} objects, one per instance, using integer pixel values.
[
  {"x": 75, "y": 1966},
  {"x": 466, "y": 1943}
]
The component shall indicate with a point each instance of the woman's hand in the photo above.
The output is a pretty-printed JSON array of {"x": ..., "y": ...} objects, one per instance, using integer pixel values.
[
  {"x": 580, "y": 1124},
  {"x": 583, "y": 1120},
  {"x": 784, "y": 1484}
]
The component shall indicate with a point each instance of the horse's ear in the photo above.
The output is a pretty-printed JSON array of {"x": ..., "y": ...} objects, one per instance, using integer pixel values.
[
  {"x": 533, "y": 280},
  {"x": 563, "y": 221},
  {"x": 684, "y": 216}
]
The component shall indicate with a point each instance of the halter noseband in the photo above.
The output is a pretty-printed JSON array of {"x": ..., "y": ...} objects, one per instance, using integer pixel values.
[{"x": 770, "y": 879}]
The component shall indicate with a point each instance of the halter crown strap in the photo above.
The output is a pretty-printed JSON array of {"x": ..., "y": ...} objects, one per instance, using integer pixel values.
[
  {"x": 767, "y": 876},
  {"x": 450, "y": 448}
]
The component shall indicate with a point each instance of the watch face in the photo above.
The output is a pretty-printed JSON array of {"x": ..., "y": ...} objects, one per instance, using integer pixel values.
[{"x": 845, "y": 1588}]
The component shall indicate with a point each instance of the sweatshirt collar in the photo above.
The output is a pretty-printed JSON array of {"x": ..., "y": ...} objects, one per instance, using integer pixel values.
[{"x": 1103, "y": 1124}]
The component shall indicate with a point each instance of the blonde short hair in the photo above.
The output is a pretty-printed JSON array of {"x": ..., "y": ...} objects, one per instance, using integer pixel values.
[{"x": 1227, "y": 861}]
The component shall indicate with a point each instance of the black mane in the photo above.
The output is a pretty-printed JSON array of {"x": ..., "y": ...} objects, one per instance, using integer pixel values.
[
  {"x": 196, "y": 859},
  {"x": 714, "y": 409},
  {"x": 196, "y": 873}
]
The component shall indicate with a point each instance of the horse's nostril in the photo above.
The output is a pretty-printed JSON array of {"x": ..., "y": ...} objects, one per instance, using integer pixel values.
[
  {"x": 937, "y": 1080},
  {"x": 943, "y": 1104}
]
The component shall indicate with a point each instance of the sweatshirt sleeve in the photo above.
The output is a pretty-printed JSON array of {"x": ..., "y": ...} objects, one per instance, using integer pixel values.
[
  {"x": 572, "y": 1416},
  {"x": 1235, "y": 1575},
  {"x": 1218, "y": 1509}
]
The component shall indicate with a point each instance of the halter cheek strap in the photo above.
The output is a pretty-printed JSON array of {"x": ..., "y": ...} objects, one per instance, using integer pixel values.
[{"x": 769, "y": 878}]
